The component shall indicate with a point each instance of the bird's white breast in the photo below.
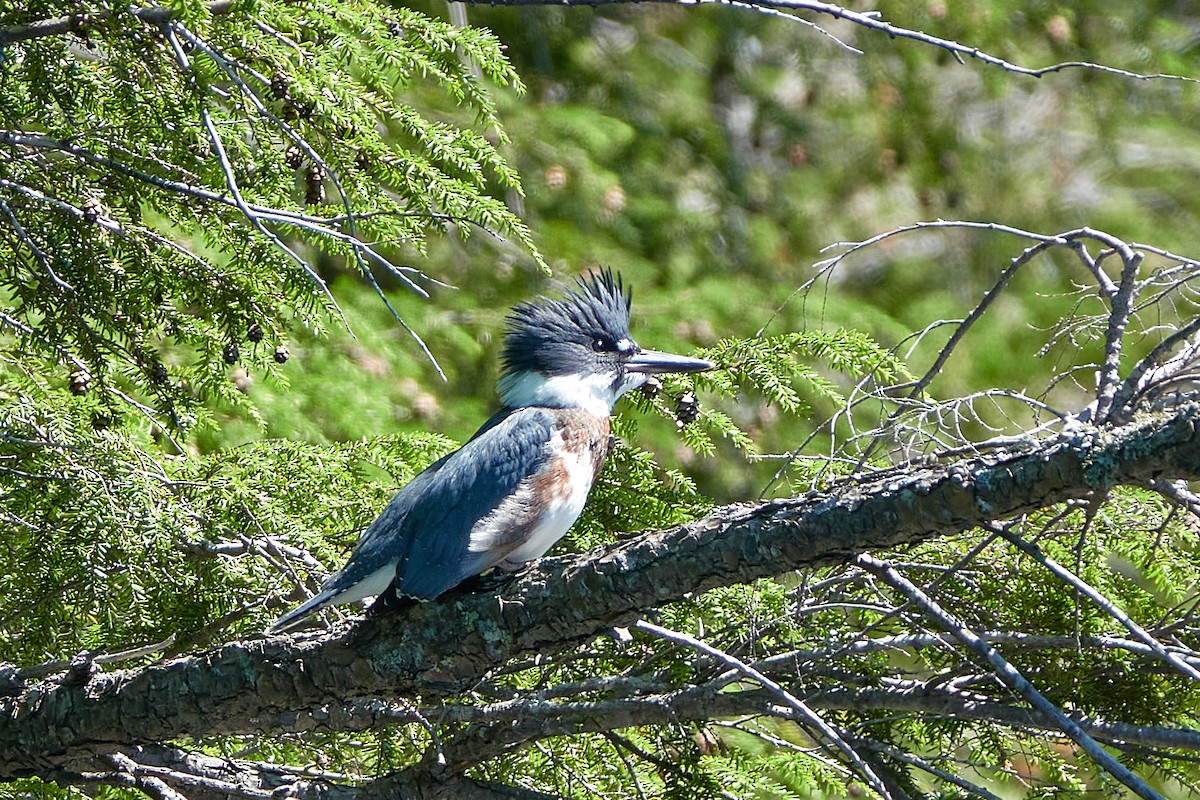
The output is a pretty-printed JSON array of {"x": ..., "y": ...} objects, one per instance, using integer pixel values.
[
  {"x": 564, "y": 507},
  {"x": 546, "y": 504}
]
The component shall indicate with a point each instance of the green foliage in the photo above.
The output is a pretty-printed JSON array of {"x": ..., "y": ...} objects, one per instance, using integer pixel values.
[
  {"x": 775, "y": 369},
  {"x": 141, "y": 255},
  {"x": 112, "y": 544},
  {"x": 149, "y": 176},
  {"x": 149, "y": 487}
]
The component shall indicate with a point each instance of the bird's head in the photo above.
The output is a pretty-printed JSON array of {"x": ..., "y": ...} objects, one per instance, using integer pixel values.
[{"x": 577, "y": 352}]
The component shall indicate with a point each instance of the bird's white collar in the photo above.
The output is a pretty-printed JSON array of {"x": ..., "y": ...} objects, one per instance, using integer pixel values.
[{"x": 595, "y": 393}]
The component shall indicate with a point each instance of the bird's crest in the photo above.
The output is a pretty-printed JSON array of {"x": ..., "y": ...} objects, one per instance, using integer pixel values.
[{"x": 599, "y": 307}]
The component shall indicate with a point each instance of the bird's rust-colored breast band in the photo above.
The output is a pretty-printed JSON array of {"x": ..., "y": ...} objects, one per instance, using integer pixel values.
[{"x": 582, "y": 433}]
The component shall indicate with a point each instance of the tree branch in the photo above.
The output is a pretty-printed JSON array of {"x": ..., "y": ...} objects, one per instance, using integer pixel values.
[
  {"x": 809, "y": 718},
  {"x": 166, "y": 773},
  {"x": 1010, "y": 675},
  {"x": 505, "y": 726},
  {"x": 872, "y": 20},
  {"x": 82, "y": 23},
  {"x": 442, "y": 648}
]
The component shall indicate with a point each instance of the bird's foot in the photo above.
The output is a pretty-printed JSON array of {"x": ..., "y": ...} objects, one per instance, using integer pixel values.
[
  {"x": 390, "y": 603},
  {"x": 491, "y": 582}
]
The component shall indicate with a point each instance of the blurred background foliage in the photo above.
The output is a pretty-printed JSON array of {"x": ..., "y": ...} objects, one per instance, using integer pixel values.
[{"x": 711, "y": 154}]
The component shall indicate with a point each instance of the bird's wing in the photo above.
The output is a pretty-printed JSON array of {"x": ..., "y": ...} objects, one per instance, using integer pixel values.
[{"x": 426, "y": 529}]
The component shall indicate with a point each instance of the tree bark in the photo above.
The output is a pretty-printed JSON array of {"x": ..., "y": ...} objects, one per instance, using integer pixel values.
[{"x": 442, "y": 648}]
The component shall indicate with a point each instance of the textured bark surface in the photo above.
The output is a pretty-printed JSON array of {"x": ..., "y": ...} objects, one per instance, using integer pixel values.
[{"x": 440, "y": 649}]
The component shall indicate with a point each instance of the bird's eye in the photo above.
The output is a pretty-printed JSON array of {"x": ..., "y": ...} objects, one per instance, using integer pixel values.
[{"x": 602, "y": 344}]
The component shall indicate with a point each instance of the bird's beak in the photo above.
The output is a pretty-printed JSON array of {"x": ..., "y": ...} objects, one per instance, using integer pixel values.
[{"x": 650, "y": 362}]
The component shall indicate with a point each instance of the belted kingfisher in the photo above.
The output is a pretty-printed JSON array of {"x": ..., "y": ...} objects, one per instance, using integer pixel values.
[{"x": 507, "y": 495}]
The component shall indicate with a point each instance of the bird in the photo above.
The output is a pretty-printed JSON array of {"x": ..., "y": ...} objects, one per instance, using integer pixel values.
[{"x": 518, "y": 484}]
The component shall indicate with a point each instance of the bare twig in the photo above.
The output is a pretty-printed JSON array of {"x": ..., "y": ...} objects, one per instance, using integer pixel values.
[
  {"x": 1159, "y": 366},
  {"x": 54, "y": 667},
  {"x": 1118, "y": 320},
  {"x": 1091, "y": 593},
  {"x": 871, "y": 20},
  {"x": 1009, "y": 674},
  {"x": 791, "y": 701}
]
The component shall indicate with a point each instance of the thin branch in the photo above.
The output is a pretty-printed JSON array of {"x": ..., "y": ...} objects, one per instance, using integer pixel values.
[
  {"x": 38, "y": 253},
  {"x": 927, "y": 766},
  {"x": 767, "y": 10},
  {"x": 805, "y": 713},
  {"x": 1158, "y": 366},
  {"x": 227, "y": 65},
  {"x": 796, "y": 659},
  {"x": 1179, "y": 493},
  {"x": 103, "y": 659},
  {"x": 82, "y": 23},
  {"x": 232, "y": 185},
  {"x": 163, "y": 780},
  {"x": 631, "y": 705},
  {"x": 321, "y": 226},
  {"x": 1009, "y": 674},
  {"x": 1087, "y": 590},
  {"x": 145, "y": 779},
  {"x": 961, "y": 331},
  {"x": 1118, "y": 320},
  {"x": 941, "y": 703},
  {"x": 873, "y": 20}
]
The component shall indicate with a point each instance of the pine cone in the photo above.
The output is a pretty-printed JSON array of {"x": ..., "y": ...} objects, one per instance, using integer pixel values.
[
  {"x": 279, "y": 86},
  {"x": 80, "y": 382},
  {"x": 687, "y": 409}
]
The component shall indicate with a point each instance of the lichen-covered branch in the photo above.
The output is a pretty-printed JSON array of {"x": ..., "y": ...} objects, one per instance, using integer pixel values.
[{"x": 443, "y": 648}]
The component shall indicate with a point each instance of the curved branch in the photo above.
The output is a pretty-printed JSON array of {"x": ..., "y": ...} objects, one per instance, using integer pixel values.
[
  {"x": 439, "y": 649},
  {"x": 806, "y": 715},
  {"x": 872, "y": 20}
]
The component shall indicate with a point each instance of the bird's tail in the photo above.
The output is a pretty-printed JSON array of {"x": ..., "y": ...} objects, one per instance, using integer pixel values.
[{"x": 293, "y": 617}]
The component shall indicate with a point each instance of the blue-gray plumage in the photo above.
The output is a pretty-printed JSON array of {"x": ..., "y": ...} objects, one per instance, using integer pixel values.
[{"x": 513, "y": 490}]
